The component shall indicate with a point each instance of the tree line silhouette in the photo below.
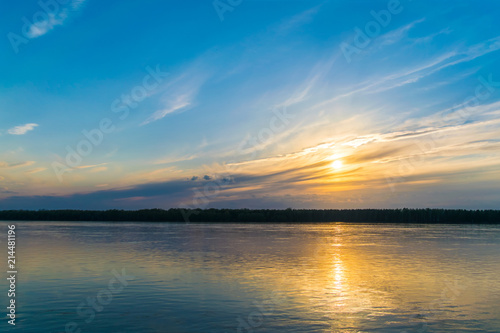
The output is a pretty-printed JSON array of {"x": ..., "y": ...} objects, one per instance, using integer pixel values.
[{"x": 289, "y": 215}]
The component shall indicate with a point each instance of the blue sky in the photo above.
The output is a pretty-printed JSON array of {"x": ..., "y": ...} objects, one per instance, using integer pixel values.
[{"x": 304, "y": 104}]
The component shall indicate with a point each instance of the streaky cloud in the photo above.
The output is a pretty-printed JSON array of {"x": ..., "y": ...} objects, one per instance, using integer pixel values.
[
  {"x": 41, "y": 28},
  {"x": 22, "y": 129}
]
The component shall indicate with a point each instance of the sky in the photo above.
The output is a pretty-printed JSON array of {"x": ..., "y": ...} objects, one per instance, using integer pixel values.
[{"x": 249, "y": 104}]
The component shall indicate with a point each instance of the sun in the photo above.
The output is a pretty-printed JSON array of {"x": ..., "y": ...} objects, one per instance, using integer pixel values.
[{"x": 337, "y": 164}]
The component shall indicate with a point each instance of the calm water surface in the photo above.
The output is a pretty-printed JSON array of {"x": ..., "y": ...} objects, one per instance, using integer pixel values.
[{"x": 254, "y": 277}]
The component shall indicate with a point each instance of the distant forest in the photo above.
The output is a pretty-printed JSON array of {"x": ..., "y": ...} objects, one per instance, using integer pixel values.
[{"x": 289, "y": 215}]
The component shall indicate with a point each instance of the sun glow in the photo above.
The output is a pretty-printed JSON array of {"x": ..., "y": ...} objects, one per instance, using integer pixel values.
[{"x": 336, "y": 165}]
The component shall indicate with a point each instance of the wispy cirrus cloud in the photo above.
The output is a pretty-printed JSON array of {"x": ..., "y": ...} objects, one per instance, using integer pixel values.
[
  {"x": 36, "y": 170},
  {"x": 298, "y": 20},
  {"x": 180, "y": 93},
  {"x": 91, "y": 166},
  {"x": 22, "y": 129},
  {"x": 42, "y": 27},
  {"x": 55, "y": 18},
  {"x": 5, "y": 165},
  {"x": 412, "y": 75},
  {"x": 181, "y": 102},
  {"x": 398, "y": 34}
]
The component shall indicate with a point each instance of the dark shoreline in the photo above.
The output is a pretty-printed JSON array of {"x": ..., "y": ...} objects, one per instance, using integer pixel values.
[{"x": 405, "y": 215}]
